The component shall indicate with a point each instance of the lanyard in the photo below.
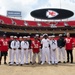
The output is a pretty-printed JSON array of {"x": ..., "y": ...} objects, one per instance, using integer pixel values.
[{"x": 14, "y": 43}]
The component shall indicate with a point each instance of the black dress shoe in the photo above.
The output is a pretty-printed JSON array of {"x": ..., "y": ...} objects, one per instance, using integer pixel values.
[
  {"x": 5, "y": 63},
  {"x": 50, "y": 61},
  {"x": 27, "y": 63},
  {"x": 59, "y": 62},
  {"x": 14, "y": 62},
  {"x": 56, "y": 63},
  {"x": 64, "y": 62},
  {"x": 21, "y": 64},
  {"x": 33, "y": 63},
  {"x": 67, "y": 61},
  {"x": 9, "y": 62},
  {"x": 71, "y": 62},
  {"x": 30, "y": 62},
  {"x": 40, "y": 61}
]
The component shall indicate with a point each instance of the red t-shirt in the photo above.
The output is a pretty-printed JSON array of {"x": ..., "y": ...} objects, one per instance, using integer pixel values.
[
  {"x": 35, "y": 46},
  {"x": 0, "y": 45},
  {"x": 69, "y": 43},
  {"x": 4, "y": 45}
]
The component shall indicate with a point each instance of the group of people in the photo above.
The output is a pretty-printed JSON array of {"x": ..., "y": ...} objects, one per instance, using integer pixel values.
[{"x": 45, "y": 47}]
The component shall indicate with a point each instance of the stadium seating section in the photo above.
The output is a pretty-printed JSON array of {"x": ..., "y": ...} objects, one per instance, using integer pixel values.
[{"x": 13, "y": 21}]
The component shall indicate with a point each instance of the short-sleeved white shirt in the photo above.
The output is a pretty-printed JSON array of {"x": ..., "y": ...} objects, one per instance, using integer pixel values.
[{"x": 45, "y": 43}]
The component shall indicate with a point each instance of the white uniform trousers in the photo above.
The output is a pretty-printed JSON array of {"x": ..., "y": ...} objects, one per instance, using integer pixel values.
[
  {"x": 30, "y": 54},
  {"x": 45, "y": 52},
  {"x": 50, "y": 55},
  {"x": 61, "y": 52},
  {"x": 19, "y": 55},
  {"x": 54, "y": 56},
  {"x": 13, "y": 54},
  {"x": 24, "y": 55},
  {"x": 10, "y": 53}
]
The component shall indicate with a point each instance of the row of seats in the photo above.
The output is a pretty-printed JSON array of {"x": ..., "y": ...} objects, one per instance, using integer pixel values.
[{"x": 11, "y": 21}]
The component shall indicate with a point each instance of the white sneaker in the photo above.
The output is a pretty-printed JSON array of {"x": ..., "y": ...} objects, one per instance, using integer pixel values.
[
  {"x": 42, "y": 63},
  {"x": 49, "y": 63}
]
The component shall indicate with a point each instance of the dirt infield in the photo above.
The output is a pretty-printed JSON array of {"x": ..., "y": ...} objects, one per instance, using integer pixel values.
[{"x": 60, "y": 69}]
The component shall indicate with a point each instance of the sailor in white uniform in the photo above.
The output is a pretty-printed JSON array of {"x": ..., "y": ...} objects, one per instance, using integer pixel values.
[
  {"x": 45, "y": 49},
  {"x": 20, "y": 40},
  {"x": 15, "y": 51},
  {"x": 24, "y": 51},
  {"x": 53, "y": 46}
]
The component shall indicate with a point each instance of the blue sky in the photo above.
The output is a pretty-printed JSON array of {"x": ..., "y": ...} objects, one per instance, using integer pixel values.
[{"x": 26, "y": 6}]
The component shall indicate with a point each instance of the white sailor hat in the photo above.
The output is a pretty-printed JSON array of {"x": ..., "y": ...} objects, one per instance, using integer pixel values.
[
  {"x": 28, "y": 36},
  {"x": 49, "y": 36},
  {"x": 37, "y": 35},
  {"x": 41, "y": 36},
  {"x": 11, "y": 36},
  {"x": 15, "y": 36},
  {"x": 4, "y": 35},
  {"x": 24, "y": 37},
  {"x": 53, "y": 36},
  {"x": 45, "y": 34},
  {"x": 20, "y": 37},
  {"x": 60, "y": 34}
]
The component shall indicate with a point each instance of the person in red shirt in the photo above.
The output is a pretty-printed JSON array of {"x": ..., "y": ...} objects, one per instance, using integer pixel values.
[
  {"x": 36, "y": 49},
  {"x": 0, "y": 51},
  {"x": 3, "y": 48},
  {"x": 69, "y": 47}
]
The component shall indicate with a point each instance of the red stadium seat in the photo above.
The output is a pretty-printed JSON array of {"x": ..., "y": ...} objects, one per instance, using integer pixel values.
[
  {"x": 60, "y": 24},
  {"x": 71, "y": 23},
  {"x": 18, "y": 22},
  {"x": 44, "y": 24},
  {"x": 32, "y": 23},
  {"x": 12, "y": 21},
  {"x": 6, "y": 20}
]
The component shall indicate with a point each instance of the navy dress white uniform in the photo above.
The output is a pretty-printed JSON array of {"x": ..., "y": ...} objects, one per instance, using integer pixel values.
[
  {"x": 45, "y": 49},
  {"x": 24, "y": 50},
  {"x": 20, "y": 39},
  {"x": 15, "y": 51},
  {"x": 53, "y": 46}
]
